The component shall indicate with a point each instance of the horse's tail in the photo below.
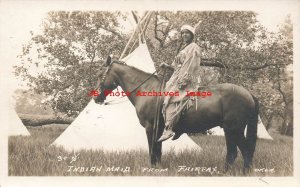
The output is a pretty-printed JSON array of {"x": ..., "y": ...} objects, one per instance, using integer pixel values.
[{"x": 252, "y": 129}]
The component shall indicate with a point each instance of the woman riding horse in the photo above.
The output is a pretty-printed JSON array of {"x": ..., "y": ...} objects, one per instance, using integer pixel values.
[
  {"x": 186, "y": 68},
  {"x": 230, "y": 106}
]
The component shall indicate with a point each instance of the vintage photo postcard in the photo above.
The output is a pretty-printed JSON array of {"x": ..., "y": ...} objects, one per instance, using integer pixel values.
[{"x": 164, "y": 93}]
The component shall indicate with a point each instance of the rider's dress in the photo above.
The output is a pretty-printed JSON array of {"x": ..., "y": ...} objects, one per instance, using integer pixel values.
[{"x": 185, "y": 78}]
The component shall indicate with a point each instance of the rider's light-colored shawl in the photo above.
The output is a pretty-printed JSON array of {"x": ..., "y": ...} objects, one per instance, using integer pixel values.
[{"x": 186, "y": 75}]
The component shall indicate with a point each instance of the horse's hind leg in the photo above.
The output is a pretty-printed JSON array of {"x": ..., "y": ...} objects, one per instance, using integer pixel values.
[
  {"x": 231, "y": 145},
  {"x": 242, "y": 144}
]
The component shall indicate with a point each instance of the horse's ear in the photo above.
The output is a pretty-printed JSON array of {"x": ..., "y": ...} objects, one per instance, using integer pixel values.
[{"x": 108, "y": 61}]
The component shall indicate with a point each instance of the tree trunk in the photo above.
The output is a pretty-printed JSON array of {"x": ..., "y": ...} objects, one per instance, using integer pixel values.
[
  {"x": 287, "y": 125},
  {"x": 269, "y": 121}
]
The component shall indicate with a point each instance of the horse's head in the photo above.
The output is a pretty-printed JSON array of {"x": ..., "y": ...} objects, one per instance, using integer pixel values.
[{"x": 106, "y": 82}]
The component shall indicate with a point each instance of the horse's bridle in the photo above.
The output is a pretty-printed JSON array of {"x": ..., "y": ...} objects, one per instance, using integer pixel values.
[{"x": 101, "y": 85}]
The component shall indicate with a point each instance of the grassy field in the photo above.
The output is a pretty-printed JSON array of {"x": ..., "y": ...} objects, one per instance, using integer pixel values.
[{"x": 32, "y": 156}]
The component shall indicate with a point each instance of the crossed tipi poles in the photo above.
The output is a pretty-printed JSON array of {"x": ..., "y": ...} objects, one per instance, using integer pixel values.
[{"x": 139, "y": 32}]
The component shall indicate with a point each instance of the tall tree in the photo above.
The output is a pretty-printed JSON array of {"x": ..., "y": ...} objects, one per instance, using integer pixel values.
[
  {"x": 234, "y": 45},
  {"x": 284, "y": 79},
  {"x": 71, "y": 50},
  {"x": 241, "y": 50}
]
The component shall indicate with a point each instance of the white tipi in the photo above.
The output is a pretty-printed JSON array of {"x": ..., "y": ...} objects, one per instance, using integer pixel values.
[
  {"x": 261, "y": 131},
  {"x": 116, "y": 127}
]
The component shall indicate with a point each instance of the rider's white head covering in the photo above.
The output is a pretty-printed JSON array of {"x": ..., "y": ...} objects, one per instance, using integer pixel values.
[{"x": 189, "y": 28}]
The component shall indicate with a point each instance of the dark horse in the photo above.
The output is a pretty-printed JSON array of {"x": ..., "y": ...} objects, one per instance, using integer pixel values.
[{"x": 230, "y": 106}]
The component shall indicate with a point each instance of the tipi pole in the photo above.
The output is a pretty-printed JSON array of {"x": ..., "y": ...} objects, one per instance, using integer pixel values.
[
  {"x": 142, "y": 32},
  {"x": 132, "y": 36},
  {"x": 146, "y": 24}
]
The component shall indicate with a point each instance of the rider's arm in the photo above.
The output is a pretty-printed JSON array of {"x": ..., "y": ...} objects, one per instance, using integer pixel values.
[{"x": 165, "y": 65}]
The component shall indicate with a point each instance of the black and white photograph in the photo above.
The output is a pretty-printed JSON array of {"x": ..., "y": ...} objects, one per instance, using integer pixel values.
[{"x": 152, "y": 93}]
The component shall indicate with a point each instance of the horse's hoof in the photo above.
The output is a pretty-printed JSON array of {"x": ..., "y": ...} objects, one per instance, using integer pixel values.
[
  {"x": 246, "y": 171},
  {"x": 227, "y": 167}
]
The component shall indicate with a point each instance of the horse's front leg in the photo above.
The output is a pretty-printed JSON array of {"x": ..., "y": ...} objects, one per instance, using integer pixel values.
[{"x": 154, "y": 146}]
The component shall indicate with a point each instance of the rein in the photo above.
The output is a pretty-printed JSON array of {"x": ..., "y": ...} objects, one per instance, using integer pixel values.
[
  {"x": 142, "y": 83},
  {"x": 157, "y": 113},
  {"x": 135, "y": 87}
]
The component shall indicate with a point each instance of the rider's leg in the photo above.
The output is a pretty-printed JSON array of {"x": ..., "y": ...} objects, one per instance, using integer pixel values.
[{"x": 171, "y": 117}]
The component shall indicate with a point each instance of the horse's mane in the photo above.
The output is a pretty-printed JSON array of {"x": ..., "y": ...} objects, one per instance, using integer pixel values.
[{"x": 134, "y": 68}]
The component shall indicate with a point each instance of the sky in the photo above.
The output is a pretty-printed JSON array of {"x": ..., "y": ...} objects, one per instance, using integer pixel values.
[{"x": 18, "y": 18}]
